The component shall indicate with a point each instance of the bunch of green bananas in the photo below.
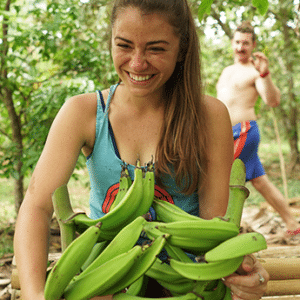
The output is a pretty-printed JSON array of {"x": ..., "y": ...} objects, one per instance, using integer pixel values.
[
  {"x": 132, "y": 200},
  {"x": 217, "y": 244},
  {"x": 116, "y": 266},
  {"x": 105, "y": 258}
]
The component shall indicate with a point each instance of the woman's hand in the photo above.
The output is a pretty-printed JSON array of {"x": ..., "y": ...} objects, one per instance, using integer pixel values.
[{"x": 250, "y": 280}]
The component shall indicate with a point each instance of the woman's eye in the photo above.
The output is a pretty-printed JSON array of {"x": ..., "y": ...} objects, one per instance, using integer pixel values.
[
  {"x": 157, "y": 49},
  {"x": 124, "y": 46}
]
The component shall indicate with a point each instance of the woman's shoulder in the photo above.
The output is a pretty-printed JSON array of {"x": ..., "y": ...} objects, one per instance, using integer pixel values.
[
  {"x": 86, "y": 103},
  {"x": 83, "y": 102},
  {"x": 215, "y": 107}
]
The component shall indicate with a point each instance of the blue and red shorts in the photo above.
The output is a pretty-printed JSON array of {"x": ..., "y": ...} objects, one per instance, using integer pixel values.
[{"x": 246, "y": 140}]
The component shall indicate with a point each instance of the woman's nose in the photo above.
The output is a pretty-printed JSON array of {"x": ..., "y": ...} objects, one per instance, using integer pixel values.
[{"x": 138, "y": 61}]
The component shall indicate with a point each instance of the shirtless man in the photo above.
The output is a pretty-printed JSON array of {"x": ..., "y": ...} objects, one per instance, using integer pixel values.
[{"x": 239, "y": 87}]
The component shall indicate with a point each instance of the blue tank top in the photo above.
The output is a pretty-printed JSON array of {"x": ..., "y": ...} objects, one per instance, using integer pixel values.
[{"x": 104, "y": 167}]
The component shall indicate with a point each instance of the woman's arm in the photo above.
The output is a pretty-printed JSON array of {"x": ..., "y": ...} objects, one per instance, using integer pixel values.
[
  {"x": 68, "y": 134},
  {"x": 215, "y": 193}
]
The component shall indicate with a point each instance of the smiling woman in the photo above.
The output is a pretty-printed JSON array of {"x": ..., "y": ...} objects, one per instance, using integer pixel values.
[{"x": 156, "y": 111}]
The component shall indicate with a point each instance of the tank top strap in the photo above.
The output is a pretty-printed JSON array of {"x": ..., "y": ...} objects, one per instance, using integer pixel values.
[{"x": 110, "y": 95}]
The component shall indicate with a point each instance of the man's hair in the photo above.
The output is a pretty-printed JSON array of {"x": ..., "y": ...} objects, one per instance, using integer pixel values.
[{"x": 246, "y": 27}]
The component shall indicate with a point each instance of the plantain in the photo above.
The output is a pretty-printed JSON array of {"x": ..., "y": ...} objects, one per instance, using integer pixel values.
[
  {"x": 70, "y": 262},
  {"x": 141, "y": 265},
  {"x": 99, "y": 280},
  {"x": 168, "y": 212},
  {"x": 240, "y": 245},
  {"x": 122, "y": 242},
  {"x": 207, "y": 271}
]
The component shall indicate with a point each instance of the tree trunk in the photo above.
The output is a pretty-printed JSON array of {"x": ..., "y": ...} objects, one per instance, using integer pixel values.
[
  {"x": 293, "y": 138},
  {"x": 7, "y": 97},
  {"x": 18, "y": 141},
  {"x": 292, "y": 129},
  {"x": 19, "y": 192}
]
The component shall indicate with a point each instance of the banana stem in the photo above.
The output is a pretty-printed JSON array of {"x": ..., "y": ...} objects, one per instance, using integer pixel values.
[
  {"x": 64, "y": 212},
  {"x": 238, "y": 193}
]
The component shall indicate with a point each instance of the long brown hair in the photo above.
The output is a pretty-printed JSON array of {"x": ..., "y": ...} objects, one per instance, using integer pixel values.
[{"x": 182, "y": 143}]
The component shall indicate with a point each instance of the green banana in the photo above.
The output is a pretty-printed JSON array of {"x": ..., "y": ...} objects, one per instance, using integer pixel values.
[
  {"x": 192, "y": 245},
  {"x": 125, "y": 296},
  {"x": 97, "y": 249},
  {"x": 150, "y": 230},
  {"x": 148, "y": 191},
  {"x": 214, "y": 229},
  {"x": 70, "y": 262},
  {"x": 83, "y": 222},
  {"x": 199, "y": 288},
  {"x": 122, "y": 242},
  {"x": 121, "y": 215},
  {"x": 136, "y": 287},
  {"x": 207, "y": 271},
  {"x": 240, "y": 245},
  {"x": 217, "y": 293},
  {"x": 228, "y": 295},
  {"x": 181, "y": 287},
  {"x": 124, "y": 185},
  {"x": 141, "y": 265},
  {"x": 168, "y": 212},
  {"x": 177, "y": 253},
  {"x": 162, "y": 271},
  {"x": 196, "y": 246},
  {"x": 98, "y": 281}
]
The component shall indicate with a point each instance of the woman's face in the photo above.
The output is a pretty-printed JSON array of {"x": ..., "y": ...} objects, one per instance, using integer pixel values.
[{"x": 145, "y": 51}]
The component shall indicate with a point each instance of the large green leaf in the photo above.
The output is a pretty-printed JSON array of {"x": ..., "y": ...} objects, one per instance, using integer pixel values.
[
  {"x": 204, "y": 8},
  {"x": 261, "y": 5}
]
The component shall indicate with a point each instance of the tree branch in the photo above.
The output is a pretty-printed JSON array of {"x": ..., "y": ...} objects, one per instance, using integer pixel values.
[{"x": 224, "y": 26}]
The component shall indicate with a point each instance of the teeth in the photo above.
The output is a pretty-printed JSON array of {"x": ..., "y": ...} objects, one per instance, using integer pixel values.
[{"x": 139, "y": 78}]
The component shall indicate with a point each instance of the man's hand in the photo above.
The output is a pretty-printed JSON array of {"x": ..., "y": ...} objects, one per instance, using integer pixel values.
[
  {"x": 260, "y": 62},
  {"x": 250, "y": 280}
]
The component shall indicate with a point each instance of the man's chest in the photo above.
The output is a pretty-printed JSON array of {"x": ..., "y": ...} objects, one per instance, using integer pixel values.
[{"x": 237, "y": 79}]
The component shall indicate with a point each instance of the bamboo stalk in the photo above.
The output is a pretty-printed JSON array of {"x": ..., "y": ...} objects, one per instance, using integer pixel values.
[
  {"x": 282, "y": 268},
  {"x": 284, "y": 297},
  {"x": 283, "y": 287}
]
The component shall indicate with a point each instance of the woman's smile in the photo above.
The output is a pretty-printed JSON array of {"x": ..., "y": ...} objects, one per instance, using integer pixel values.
[{"x": 140, "y": 78}]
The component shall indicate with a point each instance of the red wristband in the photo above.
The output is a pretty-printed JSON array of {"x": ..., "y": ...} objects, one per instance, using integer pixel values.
[{"x": 264, "y": 75}]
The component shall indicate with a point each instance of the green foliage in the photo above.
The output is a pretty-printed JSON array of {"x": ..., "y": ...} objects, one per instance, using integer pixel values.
[
  {"x": 204, "y": 8},
  {"x": 55, "y": 49},
  {"x": 52, "y": 50},
  {"x": 261, "y": 5}
]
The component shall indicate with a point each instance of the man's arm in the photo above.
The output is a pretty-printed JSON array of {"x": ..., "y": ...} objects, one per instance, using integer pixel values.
[{"x": 264, "y": 84}]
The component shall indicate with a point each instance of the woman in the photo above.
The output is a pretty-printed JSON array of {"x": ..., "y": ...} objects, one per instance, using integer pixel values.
[{"x": 156, "y": 109}]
